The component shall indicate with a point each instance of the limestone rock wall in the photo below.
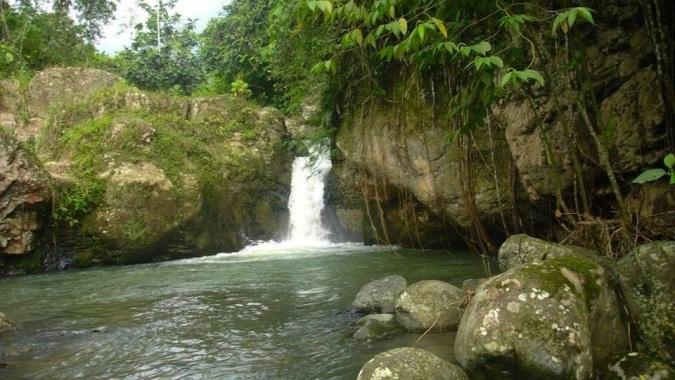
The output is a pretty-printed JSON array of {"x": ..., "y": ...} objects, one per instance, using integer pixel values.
[
  {"x": 137, "y": 176},
  {"x": 404, "y": 143}
]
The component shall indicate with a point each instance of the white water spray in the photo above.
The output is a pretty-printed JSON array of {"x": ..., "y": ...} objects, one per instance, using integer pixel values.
[{"x": 306, "y": 201}]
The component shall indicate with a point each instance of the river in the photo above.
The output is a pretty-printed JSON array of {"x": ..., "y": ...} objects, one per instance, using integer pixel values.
[{"x": 260, "y": 314}]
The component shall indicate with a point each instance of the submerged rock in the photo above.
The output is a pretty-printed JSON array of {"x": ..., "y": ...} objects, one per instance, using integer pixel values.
[
  {"x": 380, "y": 295},
  {"x": 556, "y": 319},
  {"x": 648, "y": 283},
  {"x": 410, "y": 364},
  {"x": 376, "y": 326},
  {"x": 6, "y": 324},
  {"x": 522, "y": 249},
  {"x": 429, "y": 304},
  {"x": 637, "y": 366}
]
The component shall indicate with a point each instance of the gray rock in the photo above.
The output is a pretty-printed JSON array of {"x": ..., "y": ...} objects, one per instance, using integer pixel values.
[
  {"x": 24, "y": 198},
  {"x": 6, "y": 324},
  {"x": 376, "y": 326},
  {"x": 428, "y": 304},
  {"x": 637, "y": 366},
  {"x": 523, "y": 249},
  {"x": 410, "y": 364},
  {"x": 648, "y": 283},
  {"x": 555, "y": 319},
  {"x": 470, "y": 284},
  {"x": 380, "y": 295}
]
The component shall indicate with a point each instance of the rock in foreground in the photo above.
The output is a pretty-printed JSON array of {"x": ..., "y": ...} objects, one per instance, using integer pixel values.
[
  {"x": 553, "y": 320},
  {"x": 410, "y": 364},
  {"x": 636, "y": 366},
  {"x": 523, "y": 249},
  {"x": 429, "y": 304},
  {"x": 380, "y": 295},
  {"x": 648, "y": 283}
]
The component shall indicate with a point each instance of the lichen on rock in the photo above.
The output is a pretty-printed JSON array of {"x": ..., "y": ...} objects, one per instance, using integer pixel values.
[
  {"x": 556, "y": 319},
  {"x": 410, "y": 364}
]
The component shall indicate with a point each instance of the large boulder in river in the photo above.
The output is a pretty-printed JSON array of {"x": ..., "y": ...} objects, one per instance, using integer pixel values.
[
  {"x": 648, "y": 284},
  {"x": 380, "y": 295},
  {"x": 24, "y": 198},
  {"x": 637, "y": 366},
  {"x": 410, "y": 364},
  {"x": 522, "y": 249},
  {"x": 556, "y": 319},
  {"x": 431, "y": 305},
  {"x": 376, "y": 326}
]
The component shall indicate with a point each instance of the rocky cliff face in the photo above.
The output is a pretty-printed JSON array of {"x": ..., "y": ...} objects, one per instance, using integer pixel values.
[
  {"x": 24, "y": 198},
  {"x": 500, "y": 175},
  {"x": 137, "y": 176}
]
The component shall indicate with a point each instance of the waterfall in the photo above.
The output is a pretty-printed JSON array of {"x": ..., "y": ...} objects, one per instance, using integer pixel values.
[{"x": 306, "y": 200}]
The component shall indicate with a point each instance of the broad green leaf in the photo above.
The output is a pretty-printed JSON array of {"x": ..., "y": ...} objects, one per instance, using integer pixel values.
[
  {"x": 649, "y": 176},
  {"x": 403, "y": 25},
  {"x": 669, "y": 161},
  {"x": 585, "y": 13},
  {"x": 451, "y": 47},
  {"x": 507, "y": 78},
  {"x": 420, "y": 32},
  {"x": 358, "y": 36},
  {"x": 481, "y": 47},
  {"x": 392, "y": 12},
  {"x": 496, "y": 61},
  {"x": 571, "y": 18},
  {"x": 556, "y": 22},
  {"x": 672, "y": 178},
  {"x": 318, "y": 68},
  {"x": 325, "y": 6},
  {"x": 440, "y": 26},
  {"x": 9, "y": 58},
  {"x": 371, "y": 40},
  {"x": 528, "y": 74},
  {"x": 312, "y": 5}
]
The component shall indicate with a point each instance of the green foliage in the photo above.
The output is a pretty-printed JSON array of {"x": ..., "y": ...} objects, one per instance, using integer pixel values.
[
  {"x": 240, "y": 88},
  {"x": 170, "y": 64},
  {"x": 32, "y": 39},
  {"x": 656, "y": 174},
  {"x": 78, "y": 200},
  {"x": 234, "y": 46},
  {"x": 566, "y": 19},
  {"x": 515, "y": 77}
]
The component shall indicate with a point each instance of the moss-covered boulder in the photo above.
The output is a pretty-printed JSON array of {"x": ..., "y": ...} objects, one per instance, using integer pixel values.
[
  {"x": 143, "y": 176},
  {"x": 648, "y": 283},
  {"x": 637, "y": 366},
  {"x": 556, "y": 319},
  {"x": 410, "y": 364},
  {"x": 430, "y": 304},
  {"x": 522, "y": 249},
  {"x": 380, "y": 295}
]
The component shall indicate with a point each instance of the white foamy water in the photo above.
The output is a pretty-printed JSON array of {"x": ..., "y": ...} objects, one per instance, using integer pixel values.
[{"x": 306, "y": 201}]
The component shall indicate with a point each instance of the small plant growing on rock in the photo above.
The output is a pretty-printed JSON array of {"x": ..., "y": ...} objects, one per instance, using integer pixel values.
[
  {"x": 652, "y": 175},
  {"x": 240, "y": 88}
]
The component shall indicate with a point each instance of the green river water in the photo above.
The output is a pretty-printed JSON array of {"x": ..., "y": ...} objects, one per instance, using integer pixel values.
[{"x": 267, "y": 313}]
